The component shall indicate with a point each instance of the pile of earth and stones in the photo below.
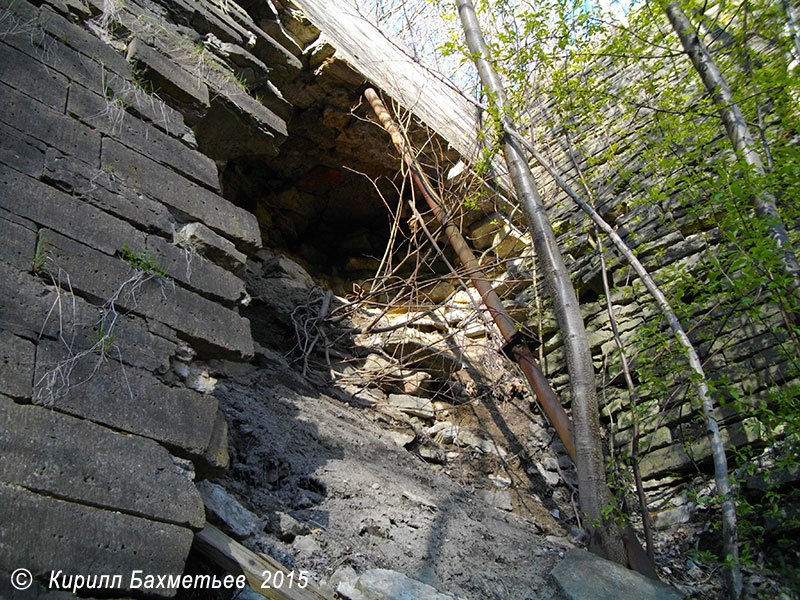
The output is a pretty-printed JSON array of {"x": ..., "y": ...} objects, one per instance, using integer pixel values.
[{"x": 412, "y": 450}]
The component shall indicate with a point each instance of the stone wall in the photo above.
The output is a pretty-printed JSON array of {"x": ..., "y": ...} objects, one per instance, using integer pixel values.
[
  {"x": 672, "y": 242},
  {"x": 120, "y": 270}
]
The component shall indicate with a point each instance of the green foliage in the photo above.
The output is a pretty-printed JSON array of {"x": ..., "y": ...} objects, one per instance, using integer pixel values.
[
  {"x": 142, "y": 262},
  {"x": 41, "y": 256},
  {"x": 625, "y": 98}
]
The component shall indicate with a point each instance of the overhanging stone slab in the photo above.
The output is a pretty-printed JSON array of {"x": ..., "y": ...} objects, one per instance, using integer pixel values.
[
  {"x": 124, "y": 398},
  {"x": 166, "y": 76},
  {"x": 52, "y": 453},
  {"x": 48, "y": 535}
]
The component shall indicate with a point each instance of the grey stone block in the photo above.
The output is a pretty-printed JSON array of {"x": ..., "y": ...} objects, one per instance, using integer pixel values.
[
  {"x": 250, "y": 128},
  {"x": 185, "y": 266},
  {"x": 46, "y": 125},
  {"x": 166, "y": 76},
  {"x": 50, "y": 535},
  {"x": 585, "y": 576},
  {"x": 26, "y": 302},
  {"x": 113, "y": 119},
  {"x": 83, "y": 41},
  {"x": 57, "y": 58},
  {"x": 124, "y": 398},
  {"x": 191, "y": 200},
  {"x": 77, "y": 460},
  {"x": 31, "y": 77},
  {"x": 19, "y": 243},
  {"x": 102, "y": 189},
  {"x": 20, "y": 151},
  {"x": 227, "y": 511},
  {"x": 216, "y": 458},
  {"x": 16, "y": 366},
  {"x": 383, "y": 584},
  {"x": 199, "y": 16},
  {"x": 31, "y": 309},
  {"x": 66, "y": 214},
  {"x": 99, "y": 276}
]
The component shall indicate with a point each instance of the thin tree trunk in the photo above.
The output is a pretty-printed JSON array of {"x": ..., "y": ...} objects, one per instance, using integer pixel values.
[
  {"x": 743, "y": 142},
  {"x": 698, "y": 378},
  {"x": 792, "y": 28},
  {"x": 637, "y": 473},
  {"x": 604, "y": 535}
]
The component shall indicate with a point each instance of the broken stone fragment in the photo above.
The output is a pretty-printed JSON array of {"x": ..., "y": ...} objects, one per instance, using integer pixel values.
[
  {"x": 286, "y": 527},
  {"x": 585, "y": 576},
  {"x": 198, "y": 239},
  {"x": 166, "y": 76},
  {"x": 383, "y": 584},
  {"x": 498, "y": 498},
  {"x": 412, "y": 405},
  {"x": 226, "y": 511}
]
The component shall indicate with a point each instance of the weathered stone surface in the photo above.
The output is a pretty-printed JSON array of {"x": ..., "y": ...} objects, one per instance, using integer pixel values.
[
  {"x": 20, "y": 151},
  {"x": 383, "y": 584},
  {"x": 128, "y": 399},
  {"x": 48, "y": 126},
  {"x": 19, "y": 242},
  {"x": 166, "y": 76},
  {"x": 102, "y": 189},
  {"x": 32, "y": 78},
  {"x": 84, "y": 42},
  {"x": 112, "y": 118},
  {"x": 226, "y": 511},
  {"x": 72, "y": 538},
  {"x": 193, "y": 201},
  {"x": 31, "y": 309},
  {"x": 65, "y": 214},
  {"x": 585, "y": 576},
  {"x": 16, "y": 366},
  {"x": 182, "y": 264},
  {"x": 52, "y": 453},
  {"x": 216, "y": 457},
  {"x": 101, "y": 276},
  {"x": 200, "y": 239},
  {"x": 676, "y": 458},
  {"x": 61, "y": 60},
  {"x": 666, "y": 519},
  {"x": 498, "y": 498}
]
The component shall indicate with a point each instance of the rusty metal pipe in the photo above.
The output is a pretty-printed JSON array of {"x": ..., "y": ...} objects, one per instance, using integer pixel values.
[{"x": 547, "y": 397}]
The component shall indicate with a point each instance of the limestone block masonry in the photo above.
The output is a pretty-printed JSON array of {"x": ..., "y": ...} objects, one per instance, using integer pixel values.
[{"x": 119, "y": 255}]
